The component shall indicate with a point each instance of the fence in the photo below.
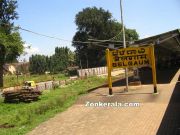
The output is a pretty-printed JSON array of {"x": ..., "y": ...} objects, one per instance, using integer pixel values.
[
  {"x": 92, "y": 71},
  {"x": 53, "y": 84},
  {"x": 46, "y": 85}
]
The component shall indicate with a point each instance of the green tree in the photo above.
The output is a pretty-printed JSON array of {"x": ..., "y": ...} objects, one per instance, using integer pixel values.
[
  {"x": 10, "y": 40},
  {"x": 60, "y": 59},
  {"x": 96, "y": 23},
  {"x": 71, "y": 58},
  {"x": 56, "y": 63},
  {"x": 38, "y": 64}
]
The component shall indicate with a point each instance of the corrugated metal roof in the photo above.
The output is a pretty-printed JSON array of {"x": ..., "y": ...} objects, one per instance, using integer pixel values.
[{"x": 169, "y": 40}]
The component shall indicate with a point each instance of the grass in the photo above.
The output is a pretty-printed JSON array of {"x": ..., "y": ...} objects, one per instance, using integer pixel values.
[
  {"x": 25, "y": 117},
  {"x": 11, "y": 80}
]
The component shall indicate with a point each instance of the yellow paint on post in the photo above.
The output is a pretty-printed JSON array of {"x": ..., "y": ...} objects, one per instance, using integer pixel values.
[
  {"x": 109, "y": 71},
  {"x": 153, "y": 64}
]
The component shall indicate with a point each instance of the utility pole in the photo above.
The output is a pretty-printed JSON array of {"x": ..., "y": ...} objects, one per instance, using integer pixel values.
[{"x": 124, "y": 43}]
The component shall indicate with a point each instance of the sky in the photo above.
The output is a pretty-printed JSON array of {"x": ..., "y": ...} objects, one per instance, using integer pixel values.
[{"x": 56, "y": 18}]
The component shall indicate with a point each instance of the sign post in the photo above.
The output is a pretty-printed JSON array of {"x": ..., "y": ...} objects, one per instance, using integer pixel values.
[
  {"x": 109, "y": 71},
  {"x": 153, "y": 64}
]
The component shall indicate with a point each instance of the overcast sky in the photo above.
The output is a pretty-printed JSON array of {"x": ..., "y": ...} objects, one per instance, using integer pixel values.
[{"x": 56, "y": 18}]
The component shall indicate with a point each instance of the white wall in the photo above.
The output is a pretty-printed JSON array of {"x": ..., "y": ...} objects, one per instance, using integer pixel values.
[{"x": 92, "y": 71}]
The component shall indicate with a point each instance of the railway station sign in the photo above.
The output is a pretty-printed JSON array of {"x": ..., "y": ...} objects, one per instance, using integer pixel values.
[{"x": 131, "y": 57}]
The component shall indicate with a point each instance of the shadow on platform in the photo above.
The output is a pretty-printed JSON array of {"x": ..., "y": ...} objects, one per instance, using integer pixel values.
[
  {"x": 163, "y": 76},
  {"x": 170, "y": 124}
]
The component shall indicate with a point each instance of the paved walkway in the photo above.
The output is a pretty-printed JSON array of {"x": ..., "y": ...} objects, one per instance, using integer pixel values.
[{"x": 143, "y": 120}]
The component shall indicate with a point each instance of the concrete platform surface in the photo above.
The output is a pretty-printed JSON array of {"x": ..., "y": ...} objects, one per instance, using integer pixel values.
[{"x": 156, "y": 114}]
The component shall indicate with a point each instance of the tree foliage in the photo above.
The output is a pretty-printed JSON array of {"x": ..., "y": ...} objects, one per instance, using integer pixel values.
[
  {"x": 38, "y": 64},
  {"x": 13, "y": 45},
  {"x": 56, "y": 63},
  {"x": 10, "y": 38},
  {"x": 8, "y": 14},
  {"x": 96, "y": 23}
]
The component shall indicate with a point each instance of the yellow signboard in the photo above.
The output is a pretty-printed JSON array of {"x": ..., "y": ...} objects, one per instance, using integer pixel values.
[{"x": 130, "y": 57}]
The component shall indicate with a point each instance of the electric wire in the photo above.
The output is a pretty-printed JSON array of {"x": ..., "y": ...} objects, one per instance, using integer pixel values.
[
  {"x": 107, "y": 39},
  {"x": 96, "y": 43},
  {"x": 52, "y": 37}
]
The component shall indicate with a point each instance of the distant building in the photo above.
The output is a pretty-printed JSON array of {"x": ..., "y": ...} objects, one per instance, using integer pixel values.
[
  {"x": 14, "y": 68},
  {"x": 9, "y": 69}
]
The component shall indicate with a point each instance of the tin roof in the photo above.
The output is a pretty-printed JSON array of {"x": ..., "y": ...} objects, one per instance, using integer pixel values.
[{"x": 169, "y": 40}]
